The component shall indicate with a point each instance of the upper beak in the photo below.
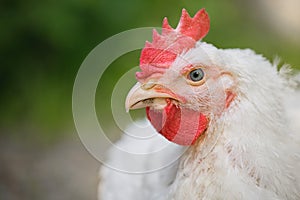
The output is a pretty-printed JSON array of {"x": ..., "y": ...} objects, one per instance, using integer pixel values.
[{"x": 143, "y": 95}]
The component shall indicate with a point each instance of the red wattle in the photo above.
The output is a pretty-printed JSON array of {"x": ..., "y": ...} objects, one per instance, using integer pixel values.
[{"x": 179, "y": 125}]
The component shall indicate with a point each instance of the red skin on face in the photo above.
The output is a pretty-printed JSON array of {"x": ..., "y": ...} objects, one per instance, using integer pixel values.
[{"x": 179, "y": 125}]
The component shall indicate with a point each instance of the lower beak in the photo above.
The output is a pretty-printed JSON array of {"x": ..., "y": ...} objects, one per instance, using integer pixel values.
[{"x": 141, "y": 96}]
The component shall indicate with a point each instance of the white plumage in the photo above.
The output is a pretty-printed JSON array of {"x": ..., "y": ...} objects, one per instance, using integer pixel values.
[
  {"x": 251, "y": 150},
  {"x": 256, "y": 155}
]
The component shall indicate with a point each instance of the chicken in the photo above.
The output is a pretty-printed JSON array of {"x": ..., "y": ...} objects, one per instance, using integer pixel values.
[{"x": 222, "y": 119}]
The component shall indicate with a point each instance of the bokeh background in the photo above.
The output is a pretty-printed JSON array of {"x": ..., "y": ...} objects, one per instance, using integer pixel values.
[{"x": 43, "y": 44}]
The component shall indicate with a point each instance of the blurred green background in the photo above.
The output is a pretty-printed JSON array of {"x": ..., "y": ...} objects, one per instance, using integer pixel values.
[{"x": 43, "y": 44}]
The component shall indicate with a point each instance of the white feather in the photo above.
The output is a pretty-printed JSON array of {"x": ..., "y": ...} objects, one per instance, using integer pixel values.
[{"x": 255, "y": 145}]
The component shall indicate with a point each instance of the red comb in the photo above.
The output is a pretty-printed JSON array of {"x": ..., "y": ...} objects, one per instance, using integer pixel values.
[{"x": 157, "y": 56}]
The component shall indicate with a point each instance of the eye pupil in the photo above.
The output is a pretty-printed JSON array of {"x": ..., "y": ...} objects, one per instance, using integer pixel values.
[{"x": 196, "y": 75}]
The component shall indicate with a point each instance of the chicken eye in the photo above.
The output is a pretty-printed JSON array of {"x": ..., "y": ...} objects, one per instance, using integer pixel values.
[{"x": 196, "y": 75}]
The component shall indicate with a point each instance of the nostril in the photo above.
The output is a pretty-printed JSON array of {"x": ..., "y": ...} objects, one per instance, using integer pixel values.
[{"x": 150, "y": 84}]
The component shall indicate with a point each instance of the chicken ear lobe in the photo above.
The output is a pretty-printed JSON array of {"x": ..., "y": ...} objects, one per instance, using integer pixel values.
[{"x": 228, "y": 83}]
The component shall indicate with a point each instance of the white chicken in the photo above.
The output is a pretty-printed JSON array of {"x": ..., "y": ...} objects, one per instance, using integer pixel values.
[{"x": 225, "y": 110}]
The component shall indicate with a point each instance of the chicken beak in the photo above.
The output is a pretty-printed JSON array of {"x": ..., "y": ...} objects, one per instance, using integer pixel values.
[{"x": 141, "y": 96}]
